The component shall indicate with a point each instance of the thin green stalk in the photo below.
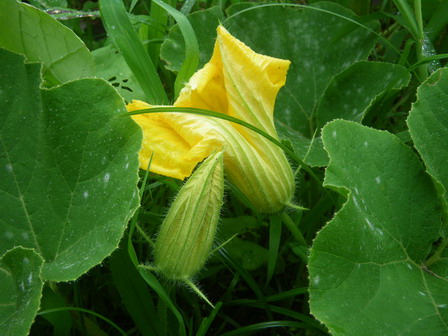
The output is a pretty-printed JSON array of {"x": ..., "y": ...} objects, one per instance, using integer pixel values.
[
  {"x": 420, "y": 42},
  {"x": 415, "y": 26},
  {"x": 428, "y": 59},
  {"x": 133, "y": 223}
]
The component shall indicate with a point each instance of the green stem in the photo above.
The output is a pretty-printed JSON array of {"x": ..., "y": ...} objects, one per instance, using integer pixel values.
[
  {"x": 415, "y": 26},
  {"x": 420, "y": 39}
]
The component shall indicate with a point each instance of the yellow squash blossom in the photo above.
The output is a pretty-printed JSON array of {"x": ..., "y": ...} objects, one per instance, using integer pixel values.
[
  {"x": 237, "y": 82},
  {"x": 186, "y": 236}
]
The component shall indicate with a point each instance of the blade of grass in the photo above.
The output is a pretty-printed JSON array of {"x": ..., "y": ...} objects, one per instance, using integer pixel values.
[
  {"x": 87, "y": 311},
  {"x": 293, "y": 228},
  {"x": 187, "y": 6},
  {"x": 280, "y": 310},
  {"x": 287, "y": 294},
  {"x": 157, "y": 287},
  {"x": 134, "y": 292},
  {"x": 228, "y": 260},
  {"x": 119, "y": 28},
  {"x": 406, "y": 12},
  {"x": 191, "y": 60},
  {"x": 206, "y": 322},
  {"x": 429, "y": 59},
  {"x": 275, "y": 232},
  {"x": 266, "y": 325},
  {"x": 160, "y": 17}
]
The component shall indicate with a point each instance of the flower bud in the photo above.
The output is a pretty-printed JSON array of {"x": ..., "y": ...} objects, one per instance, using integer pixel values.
[{"x": 187, "y": 233}]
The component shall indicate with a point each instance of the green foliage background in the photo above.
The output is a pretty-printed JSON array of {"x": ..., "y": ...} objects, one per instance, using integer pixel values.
[{"x": 364, "y": 107}]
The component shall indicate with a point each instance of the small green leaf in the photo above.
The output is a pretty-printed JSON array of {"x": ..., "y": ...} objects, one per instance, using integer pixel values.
[
  {"x": 35, "y": 34},
  {"x": 68, "y": 166},
  {"x": 366, "y": 274},
  {"x": 20, "y": 290}
]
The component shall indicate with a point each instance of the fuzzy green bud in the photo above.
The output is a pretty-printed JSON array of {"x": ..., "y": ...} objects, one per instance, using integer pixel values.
[{"x": 187, "y": 233}]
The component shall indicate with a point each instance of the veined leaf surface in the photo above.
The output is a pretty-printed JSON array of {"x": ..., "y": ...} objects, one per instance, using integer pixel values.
[
  {"x": 369, "y": 258},
  {"x": 68, "y": 167}
]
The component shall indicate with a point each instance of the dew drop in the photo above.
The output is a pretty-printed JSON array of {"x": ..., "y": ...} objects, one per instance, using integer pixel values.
[{"x": 106, "y": 177}]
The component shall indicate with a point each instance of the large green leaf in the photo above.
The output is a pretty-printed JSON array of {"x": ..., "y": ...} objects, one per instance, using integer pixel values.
[
  {"x": 318, "y": 44},
  {"x": 68, "y": 168},
  {"x": 20, "y": 290},
  {"x": 366, "y": 273},
  {"x": 350, "y": 93},
  {"x": 428, "y": 124},
  {"x": 35, "y": 34}
]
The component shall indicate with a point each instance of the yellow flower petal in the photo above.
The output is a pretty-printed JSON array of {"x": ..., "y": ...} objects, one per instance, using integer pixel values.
[
  {"x": 238, "y": 82},
  {"x": 175, "y": 150}
]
